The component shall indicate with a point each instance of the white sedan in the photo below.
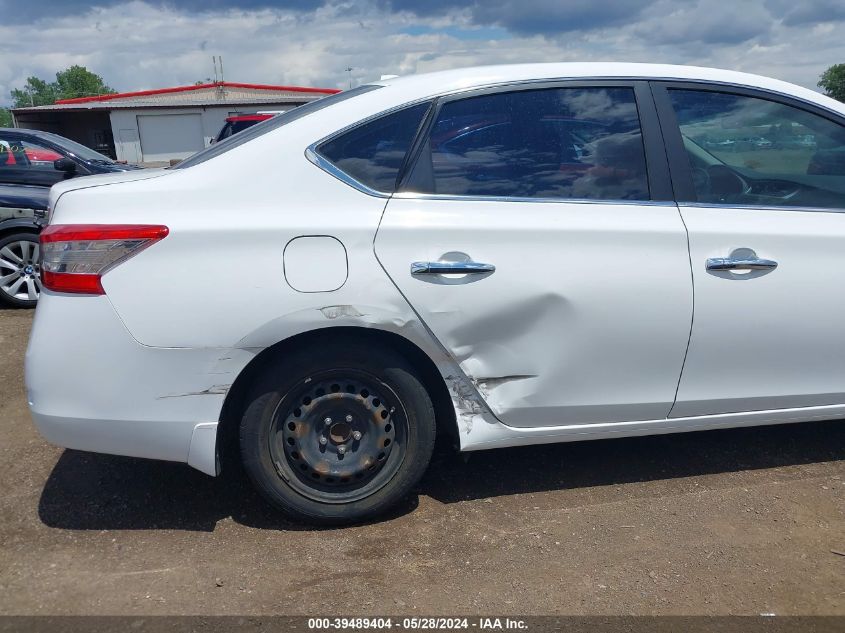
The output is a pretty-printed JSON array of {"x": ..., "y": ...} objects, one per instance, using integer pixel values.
[{"x": 510, "y": 255}]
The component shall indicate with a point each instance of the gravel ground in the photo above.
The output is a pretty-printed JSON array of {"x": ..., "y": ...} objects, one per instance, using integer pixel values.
[{"x": 724, "y": 522}]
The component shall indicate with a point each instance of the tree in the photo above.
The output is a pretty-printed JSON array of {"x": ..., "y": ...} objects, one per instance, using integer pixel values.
[
  {"x": 76, "y": 81},
  {"x": 36, "y": 92},
  {"x": 5, "y": 118},
  {"x": 833, "y": 82}
]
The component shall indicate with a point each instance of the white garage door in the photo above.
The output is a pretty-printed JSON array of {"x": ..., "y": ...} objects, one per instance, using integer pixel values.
[{"x": 168, "y": 136}]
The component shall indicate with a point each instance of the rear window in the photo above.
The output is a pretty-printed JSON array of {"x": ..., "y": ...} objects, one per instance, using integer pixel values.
[
  {"x": 373, "y": 153},
  {"x": 236, "y": 140}
]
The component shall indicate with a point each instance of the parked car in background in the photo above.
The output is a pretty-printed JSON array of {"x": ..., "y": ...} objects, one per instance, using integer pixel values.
[
  {"x": 30, "y": 163},
  {"x": 506, "y": 255},
  {"x": 241, "y": 122}
]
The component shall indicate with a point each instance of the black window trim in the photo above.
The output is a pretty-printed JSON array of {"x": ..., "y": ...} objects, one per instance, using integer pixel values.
[
  {"x": 657, "y": 164},
  {"x": 679, "y": 165}
]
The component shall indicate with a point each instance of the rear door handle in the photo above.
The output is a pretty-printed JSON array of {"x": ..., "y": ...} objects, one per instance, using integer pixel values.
[
  {"x": 740, "y": 263},
  {"x": 451, "y": 268}
]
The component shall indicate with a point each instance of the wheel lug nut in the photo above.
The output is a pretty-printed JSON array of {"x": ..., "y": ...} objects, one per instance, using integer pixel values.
[
  {"x": 341, "y": 450},
  {"x": 349, "y": 418},
  {"x": 327, "y": 421},
  {"x": 323, "y": 441},
  {"x": 356, "y": 435}
]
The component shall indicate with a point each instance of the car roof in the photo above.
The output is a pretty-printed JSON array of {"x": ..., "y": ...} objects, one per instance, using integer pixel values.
[
  {"x": 249, "y": 117},
  {"x": 20, "y": 130},
  {"x": 445, "y": 81}
]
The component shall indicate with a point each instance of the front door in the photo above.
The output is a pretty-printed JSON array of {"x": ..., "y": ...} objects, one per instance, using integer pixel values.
[
  {"x": 27, "y": 162},
  {"x": 765, "y": 210},
  {"x": 527, "y": 240}
]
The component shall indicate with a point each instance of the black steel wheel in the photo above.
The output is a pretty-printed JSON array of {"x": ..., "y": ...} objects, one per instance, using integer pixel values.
[
  {"x": 334, "y": 436},
  {"x": 337, "y": 436}
]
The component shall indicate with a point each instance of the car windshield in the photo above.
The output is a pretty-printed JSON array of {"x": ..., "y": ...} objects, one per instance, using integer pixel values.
[
  {"x": 235, "y": 140},
  {"x": 77, "y": 149}
]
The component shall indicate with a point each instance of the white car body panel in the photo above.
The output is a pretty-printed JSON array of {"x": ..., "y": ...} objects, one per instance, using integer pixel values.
[
  {"x": 586, "y": 318},
  {"x": 144, "y": 370},
  {"x": 154, "y": 397},
  {"x": 765, "y": 339}
]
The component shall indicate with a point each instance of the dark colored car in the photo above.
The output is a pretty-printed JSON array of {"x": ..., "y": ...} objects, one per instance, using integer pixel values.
[
  {"x": 30, "y": 163},
  {"x": 240, "y": 122}
]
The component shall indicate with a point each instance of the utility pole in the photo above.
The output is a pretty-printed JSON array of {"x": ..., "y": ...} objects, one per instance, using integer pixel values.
[{"x": 349, "y": 69}]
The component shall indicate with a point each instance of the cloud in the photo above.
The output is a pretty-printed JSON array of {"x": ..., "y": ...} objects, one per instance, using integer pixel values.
[
  {"x": 135, "y": 44},
  {"x": 700, "y": 22},
  {"x": 551, "y": 18},
  {"x": 18, "y": 11},
  {"x": 532, "y": 16},
  {"x": 808, "y": 11}
]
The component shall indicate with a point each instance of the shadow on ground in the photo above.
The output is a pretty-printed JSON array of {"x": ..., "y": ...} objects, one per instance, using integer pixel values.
[{"x": 87, "y": 491}]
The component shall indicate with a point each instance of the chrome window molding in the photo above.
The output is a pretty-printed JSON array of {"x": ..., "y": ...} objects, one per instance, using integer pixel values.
[
  {"x": 760, "y": 207},
  {"x": 331, "y": 169},
  {"x": 717, "y": 85},
  {"x": 410, "y": 195},
  {"x": 621, "y": 79}
]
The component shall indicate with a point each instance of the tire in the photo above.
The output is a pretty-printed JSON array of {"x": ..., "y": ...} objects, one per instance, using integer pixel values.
[
  {"x": 20, "y": 272},
  {"x": 337, "y": 435}
]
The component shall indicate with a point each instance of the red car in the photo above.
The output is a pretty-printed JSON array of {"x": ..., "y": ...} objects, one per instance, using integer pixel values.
[{"x": 239, "y": 123}]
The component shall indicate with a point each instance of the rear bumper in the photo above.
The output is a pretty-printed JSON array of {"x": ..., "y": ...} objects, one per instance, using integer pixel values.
[
  {"x": 172, "y": 441},
  {"x": 92, "y": 387}
]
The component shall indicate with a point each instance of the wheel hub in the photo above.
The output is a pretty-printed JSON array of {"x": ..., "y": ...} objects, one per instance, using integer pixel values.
[{"x": 340, "y": 432}]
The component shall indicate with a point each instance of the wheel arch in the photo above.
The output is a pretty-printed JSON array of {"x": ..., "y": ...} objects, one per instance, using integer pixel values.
[
  {"x": 236, "y": 398},
  {"x": 18, "y": 225}
]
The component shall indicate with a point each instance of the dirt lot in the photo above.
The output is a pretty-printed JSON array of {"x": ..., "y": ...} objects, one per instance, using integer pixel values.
[{"x": 739, "y": 522}]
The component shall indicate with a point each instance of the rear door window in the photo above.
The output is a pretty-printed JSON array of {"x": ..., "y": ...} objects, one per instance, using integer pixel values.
[{"x": 555, "y": 143}]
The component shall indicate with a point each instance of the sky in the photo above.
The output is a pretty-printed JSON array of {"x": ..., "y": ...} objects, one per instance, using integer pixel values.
[{"x": 142, "y": 44}]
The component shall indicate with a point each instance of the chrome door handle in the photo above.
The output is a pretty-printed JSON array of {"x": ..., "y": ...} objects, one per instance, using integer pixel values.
[
  {"x": 740, "y": 263},
  {"x": 451, "y": 268}
]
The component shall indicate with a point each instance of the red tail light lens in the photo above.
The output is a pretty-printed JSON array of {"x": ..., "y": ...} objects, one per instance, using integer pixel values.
[{"x": 74, "y": 257}]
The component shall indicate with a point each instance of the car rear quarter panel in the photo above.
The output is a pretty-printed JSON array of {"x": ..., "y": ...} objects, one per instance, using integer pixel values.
[{"x": 217, "y": 279}]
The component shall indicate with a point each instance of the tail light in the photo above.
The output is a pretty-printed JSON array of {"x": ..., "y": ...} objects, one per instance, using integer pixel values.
[{"x": 74, "y": 257}]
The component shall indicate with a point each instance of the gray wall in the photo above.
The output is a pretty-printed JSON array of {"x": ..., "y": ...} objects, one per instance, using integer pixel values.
[{"x": 127, "y": 137}]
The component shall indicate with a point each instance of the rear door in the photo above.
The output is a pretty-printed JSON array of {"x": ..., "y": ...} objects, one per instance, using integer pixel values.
[
  {"x": 536, "y": 236},
  {"x": 761, "y": 180}
]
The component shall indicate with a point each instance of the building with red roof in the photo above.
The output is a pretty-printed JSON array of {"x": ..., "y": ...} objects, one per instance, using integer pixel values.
[{"x": 160, "y": 125}]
